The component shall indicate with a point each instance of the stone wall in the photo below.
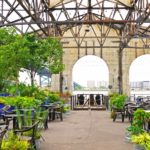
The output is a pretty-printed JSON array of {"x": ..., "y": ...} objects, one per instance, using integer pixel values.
[{"x": 109, "y": 55}]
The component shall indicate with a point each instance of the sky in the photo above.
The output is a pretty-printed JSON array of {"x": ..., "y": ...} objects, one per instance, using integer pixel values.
[
  {"x": 140, "y": 69},
  {"x": 94, "y": 68},
  {"x": 90, "y": 68}
]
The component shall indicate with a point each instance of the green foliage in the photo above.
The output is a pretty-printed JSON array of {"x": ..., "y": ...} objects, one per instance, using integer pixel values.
[
  {"x": 117, "y": 100},
  {"x": 55, "y": 64},
  {"x": 26, "y": 90},
  {"x": 147, "y": 146},
  {"x": 41, "y": 115},
  {"x": 9, "y": 56},
  {"x": 29, "y": 133},
  {"x": 28, "y": 52},
  {"x": 135, "y": 130},
  {"x": 142, "y": 139},
  {"x": 139, "y": 117},
  {"x": 66, "y": 108},
  {"x": 41, "y": 53},
  {"x": 13, "y": 142},
  {"x": 53, "y": 97},
  {"x": 22, "y": 102},
  {"x": 22, "y": 89},
  {"x": 40, "y": 95}
]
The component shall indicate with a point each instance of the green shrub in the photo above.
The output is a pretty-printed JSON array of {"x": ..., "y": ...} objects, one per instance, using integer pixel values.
[
  {"x": 53, "y": 97},
  {"x": 22, "y": 102},
  {"x": 139, "y": 118},
  {"x": 117, "y": 101},
  {"x": 142, "y": 139},
  {"x": 13, "y": 142}
]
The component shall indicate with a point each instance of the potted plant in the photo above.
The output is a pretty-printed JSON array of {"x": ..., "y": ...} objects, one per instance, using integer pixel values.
[
  {"x": 139, "y": 117},
  {"x": 117, "y": 102},
  {"x": 138, "y": 121},
  {"x": 14, "y": 142},
  {"x": 141, "y": 141}
]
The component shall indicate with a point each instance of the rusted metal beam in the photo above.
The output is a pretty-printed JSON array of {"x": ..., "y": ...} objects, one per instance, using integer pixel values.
[
  {"x": 51, "y": 15},
  {"x": 73, "y": 22},
  {"x": 32, "y": 16},
  {"x": 109, "y": 37},
  {"x": 120, "y": 71},
  {"x": 14, "y": 9},
  {"x": 92, "y": 8},
  {"x": 109, "y": 47}
]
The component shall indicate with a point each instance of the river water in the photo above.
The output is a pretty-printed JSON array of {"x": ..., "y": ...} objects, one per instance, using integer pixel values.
[{"x": 136, "y": 93}]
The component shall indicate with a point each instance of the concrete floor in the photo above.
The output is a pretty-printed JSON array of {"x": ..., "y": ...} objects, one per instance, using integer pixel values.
[{"x": 86, "y": 130}]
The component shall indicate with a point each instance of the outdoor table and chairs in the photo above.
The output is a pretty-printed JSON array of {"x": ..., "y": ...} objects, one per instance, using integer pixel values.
[
  {"x": 2, "y": 133},
  {"x": 146, "y": 125},
  {"x": 14, "y": 118},
  {"x": 50, "y": 108},
  {"x": 55, "y": 110},
  {"x": 117, "y": 112}
]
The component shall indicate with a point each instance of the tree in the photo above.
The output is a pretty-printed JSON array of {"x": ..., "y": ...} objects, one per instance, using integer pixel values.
[
  {"x": 40, "y": 53},
  {"x": 27, "y": 51},
  {"x": 8, "y": 56}
]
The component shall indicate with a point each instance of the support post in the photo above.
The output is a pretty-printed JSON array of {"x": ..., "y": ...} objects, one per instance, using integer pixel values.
[
  {"x": 120, "y": 90},
  {"x": 61, "y": 83}
]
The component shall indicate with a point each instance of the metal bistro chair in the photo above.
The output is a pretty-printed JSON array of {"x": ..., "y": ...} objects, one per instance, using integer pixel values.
[
  {"x": 29, "y": 137},
  {"x": 58, "y": 112},
  {"x": 2, "y": 133},
  {"x": 3, "y": 130},
  {"x": 117, "y": 112},
  {"x": 42, "y": 116}
]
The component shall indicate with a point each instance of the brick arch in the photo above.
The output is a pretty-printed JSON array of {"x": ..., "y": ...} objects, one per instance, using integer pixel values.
[
  {"x": 75, "y": 61},
  {"x": 129, "y": 57},
  {"x": 136, "y": 59},
  {"x": 70, "y": 58},
  {"x": 73, "y": 64},
  {"x": 113, "y": 69},
  {"x": 109, "y": 55}
]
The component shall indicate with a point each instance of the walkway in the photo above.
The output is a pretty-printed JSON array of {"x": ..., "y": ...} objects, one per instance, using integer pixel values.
[{"x": 86, "y": 130}]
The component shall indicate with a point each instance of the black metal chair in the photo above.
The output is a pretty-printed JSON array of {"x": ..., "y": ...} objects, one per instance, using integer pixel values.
[
  {"x": 116, "y": 112},
  {"x": 42, "y": 116},
  {"x": 29, "y": 133},
  {"x": 59, "y": 112},
  {"x": 127, "y": 107},
  {"x": 3, "y": 130},
  {"x": 2, "y": 133}
]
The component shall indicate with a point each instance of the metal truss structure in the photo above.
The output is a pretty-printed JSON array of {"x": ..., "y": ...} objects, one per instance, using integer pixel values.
[{"x": 130, "y": 18}]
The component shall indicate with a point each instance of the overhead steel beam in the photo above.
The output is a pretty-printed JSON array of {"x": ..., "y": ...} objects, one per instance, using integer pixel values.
[
  {"x": 109, "y": 37},
  {"x": 31, "y": 15},
  {"x": 14, "y": 9},
  {"x": 72, "y": 22},
  {"x": 92, "y": 8},
  {"x": 51, "y": 15},
  {"x": 110, "y": 47}
]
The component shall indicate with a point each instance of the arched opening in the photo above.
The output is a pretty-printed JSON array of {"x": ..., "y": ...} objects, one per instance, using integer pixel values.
[
  {"x": 139, "y": 76},
  {"x": 90, "y": 75}
]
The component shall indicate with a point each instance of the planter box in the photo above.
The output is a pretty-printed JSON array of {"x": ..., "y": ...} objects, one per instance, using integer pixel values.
[
  {"x": 38, "y": 144},
  {"x": 138, "y": 147},
  {"x": 128, "y": 137}
]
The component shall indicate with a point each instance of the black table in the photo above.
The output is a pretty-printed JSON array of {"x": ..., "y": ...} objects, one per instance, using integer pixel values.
[{"x": 14, "y": 118}]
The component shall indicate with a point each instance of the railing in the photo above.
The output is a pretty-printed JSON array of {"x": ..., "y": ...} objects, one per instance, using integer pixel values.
[
  {"x": 145, "y": 97},
  {"x": 83, "y": 101}
]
